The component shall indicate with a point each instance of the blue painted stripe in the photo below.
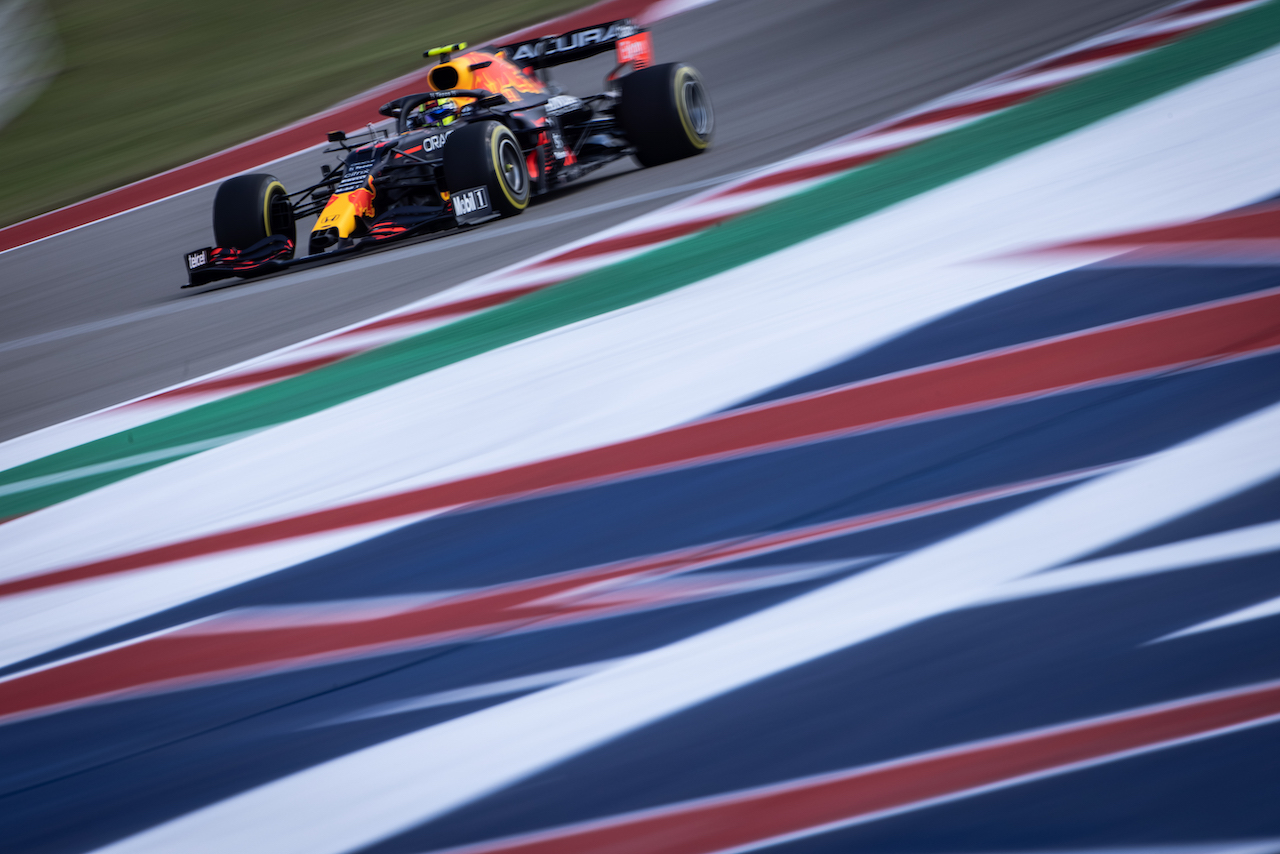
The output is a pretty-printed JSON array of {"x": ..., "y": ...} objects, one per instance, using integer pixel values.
[{"x": 1062, "y": 304}]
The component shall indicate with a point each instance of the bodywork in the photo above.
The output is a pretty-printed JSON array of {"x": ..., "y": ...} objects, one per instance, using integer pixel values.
[{"x": 390, "y": 183}]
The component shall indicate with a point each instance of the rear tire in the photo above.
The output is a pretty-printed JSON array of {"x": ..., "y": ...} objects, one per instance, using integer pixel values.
[
  {"x": 666, "y": 113},
  {"x": 251, "y": 208},
  {"x": 486, "y": 153}
]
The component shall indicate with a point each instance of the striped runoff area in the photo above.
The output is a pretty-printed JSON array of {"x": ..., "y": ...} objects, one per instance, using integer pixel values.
[
  {"x": 808, "y": 806},
  {"x": 1186, "y": 339},
  {"x": 48, "y": 466},
  {"x": 938, "y": 500}
]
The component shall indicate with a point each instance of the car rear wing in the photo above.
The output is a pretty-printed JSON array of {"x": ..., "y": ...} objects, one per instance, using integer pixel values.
[{"x": 631, "y": 42}]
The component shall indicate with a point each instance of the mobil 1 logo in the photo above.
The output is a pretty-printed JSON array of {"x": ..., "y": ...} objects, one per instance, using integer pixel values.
[{"x": 472, "y": 205}]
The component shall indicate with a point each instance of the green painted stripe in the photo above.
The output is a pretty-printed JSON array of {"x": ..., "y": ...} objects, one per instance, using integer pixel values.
[
  {"x": 140, "y": 462},
  {"x": 857, "y": 194}
]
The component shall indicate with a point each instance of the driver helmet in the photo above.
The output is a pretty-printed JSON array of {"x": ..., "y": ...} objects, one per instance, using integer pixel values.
[{"x": 437, "y": 114}]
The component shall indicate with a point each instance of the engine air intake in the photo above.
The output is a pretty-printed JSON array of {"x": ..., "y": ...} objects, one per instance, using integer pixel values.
[{"x": 443, "y": 77}]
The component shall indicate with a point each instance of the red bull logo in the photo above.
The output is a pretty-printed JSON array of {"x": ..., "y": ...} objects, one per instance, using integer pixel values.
[
  {"x": 344, "y": 210},
  {"x": 506, "y": 78},
  {"x": 361, "y": 202}
]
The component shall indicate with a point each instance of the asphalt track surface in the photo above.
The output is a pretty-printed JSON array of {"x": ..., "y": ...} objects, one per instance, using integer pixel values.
[{"x": 95, "y": 316}]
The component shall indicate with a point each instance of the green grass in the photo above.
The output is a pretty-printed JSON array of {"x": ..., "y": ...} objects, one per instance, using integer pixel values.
[{"x": 147, "y": 85}]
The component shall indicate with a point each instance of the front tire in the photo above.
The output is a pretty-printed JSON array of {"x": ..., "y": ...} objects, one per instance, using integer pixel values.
[
  {"x": 666, "y": 113},
  {"x": 249, "y": 209},
  {"x": 486, "y": 153}
]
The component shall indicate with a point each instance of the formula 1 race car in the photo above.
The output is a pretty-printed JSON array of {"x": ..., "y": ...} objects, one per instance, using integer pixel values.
[{"x": 492, "y": 132}]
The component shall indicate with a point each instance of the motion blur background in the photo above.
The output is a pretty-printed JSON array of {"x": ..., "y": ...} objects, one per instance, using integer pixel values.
[{"x": 897, "y": 476}]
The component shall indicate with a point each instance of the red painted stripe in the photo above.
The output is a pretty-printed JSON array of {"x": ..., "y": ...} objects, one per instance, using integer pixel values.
[
  {"x": 633, "y": 241},
  {"x": 1106, "y": 51},
  {"x": 805, "y": 173},
  {"x": 969, "y": 109},
  {"x": 465, "y": 306},
  {"x": 1252, "y": 224},
  {"x": 973, "y": 109},
  {"x": 267, "y": 375},
  {"x": 750, "y": 818},
  {"x": 240, "y": 380},
  {"x": 224, "y": 649},
  {"x": 232, "y": 647},
  {"x": 1153, "y": 344},
  {"x": 1196, "y": 9}
]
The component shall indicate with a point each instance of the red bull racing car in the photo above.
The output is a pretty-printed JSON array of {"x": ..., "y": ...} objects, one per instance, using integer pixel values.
[{"x": 492, "y": 132}]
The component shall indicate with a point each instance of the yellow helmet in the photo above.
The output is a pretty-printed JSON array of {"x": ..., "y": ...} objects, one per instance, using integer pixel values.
[{"x": 435, "y": 114}]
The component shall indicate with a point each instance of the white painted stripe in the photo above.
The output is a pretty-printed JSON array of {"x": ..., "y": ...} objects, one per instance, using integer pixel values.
[
  {"x": 868, "y": 143},
  {"x": 645, "y": 368},
  {"x": 122, "y": 463},
  {"x": 1178, "y": 22},
  {"x": 40, "y": 621},
  {"x": 1260, "y": 611},
  {"x": 1173, "y": 25},
  {"x": 1031, "y": 81},
  {"x": 1185, "y": 554},
  {"x": 1170, "y": 17},
  {"x": 483, "y": 691},
  {"x": 160, "y": 404},
  {"x": 331, "y": 612},
  {"x": 355, "y": 800}
]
